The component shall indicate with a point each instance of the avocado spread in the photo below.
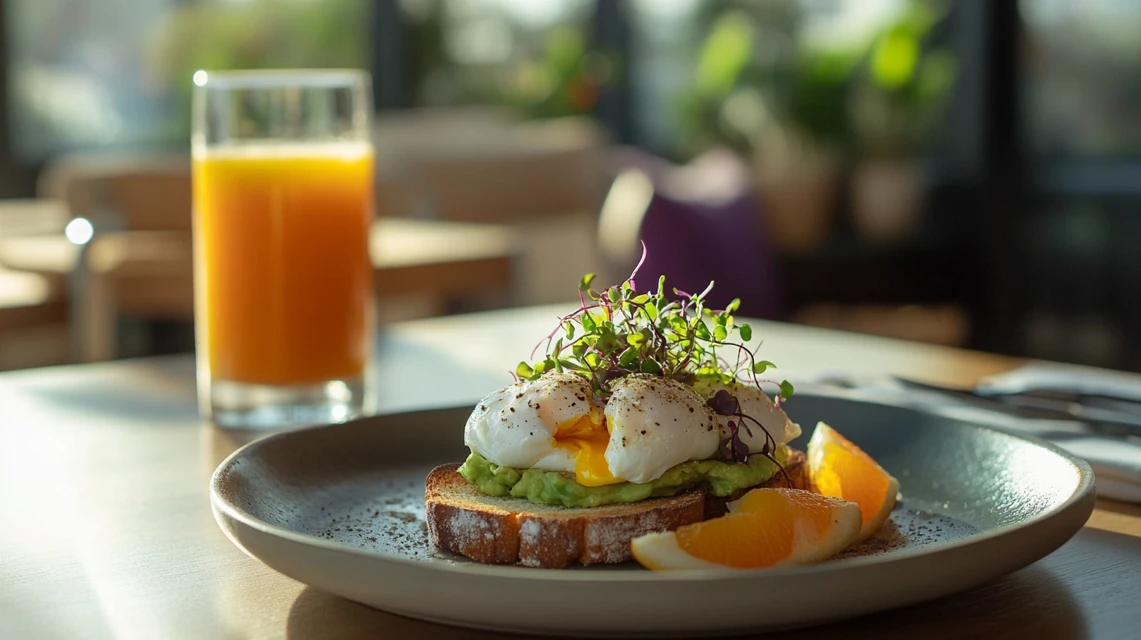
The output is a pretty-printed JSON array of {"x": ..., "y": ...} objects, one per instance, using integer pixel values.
[{"x": 722, "y": 478}]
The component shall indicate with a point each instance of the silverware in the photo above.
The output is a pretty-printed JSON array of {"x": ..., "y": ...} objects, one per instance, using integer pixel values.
[{"x": 1106, "y": 416}]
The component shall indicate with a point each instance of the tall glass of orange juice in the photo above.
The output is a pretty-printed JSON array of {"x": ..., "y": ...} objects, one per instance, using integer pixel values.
[{"x": 283, "y": 204}]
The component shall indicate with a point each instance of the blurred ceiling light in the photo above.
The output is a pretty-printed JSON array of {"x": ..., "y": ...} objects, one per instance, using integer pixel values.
[{"x": 79, "y": 231}]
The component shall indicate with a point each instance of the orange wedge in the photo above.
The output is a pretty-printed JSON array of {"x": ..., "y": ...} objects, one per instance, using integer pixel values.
[
  {"x": 839, "y": 469},
  {"x": 765, "y": 528}
]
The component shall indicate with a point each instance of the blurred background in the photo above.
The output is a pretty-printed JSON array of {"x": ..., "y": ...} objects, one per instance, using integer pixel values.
[{"x": 965, "y": 173}]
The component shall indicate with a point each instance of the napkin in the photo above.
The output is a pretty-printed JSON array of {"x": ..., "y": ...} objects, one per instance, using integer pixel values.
[
  {"x": 1070, "y": 378},
  {"x": 1115, "y": 460}
]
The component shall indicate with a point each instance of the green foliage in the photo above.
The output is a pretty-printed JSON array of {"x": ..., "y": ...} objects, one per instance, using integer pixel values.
[
  {"x": 619, "y": 331},
  {"x": 886, "y": 89},
  {"x": 904, "y": 82},
  {"x": 566, "y": 79},
  {"x": 726, "y": 53},
  {"x": 259, "y": 34}
]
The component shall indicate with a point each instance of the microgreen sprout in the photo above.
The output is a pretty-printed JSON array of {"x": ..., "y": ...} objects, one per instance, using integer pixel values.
[{"x": 620, "y": 331}]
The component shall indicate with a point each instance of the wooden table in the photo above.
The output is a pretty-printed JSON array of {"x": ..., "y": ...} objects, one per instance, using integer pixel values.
[
  {"x": 149, "y": 274},
  {"x": 106, "y": 531}
]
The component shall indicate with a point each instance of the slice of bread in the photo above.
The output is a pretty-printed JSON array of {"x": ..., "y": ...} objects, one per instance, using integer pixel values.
[{"x": 465, "y": 521}]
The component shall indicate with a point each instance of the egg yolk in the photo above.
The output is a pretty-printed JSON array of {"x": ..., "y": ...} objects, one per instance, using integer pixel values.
[{"x": 588, "y": 440}]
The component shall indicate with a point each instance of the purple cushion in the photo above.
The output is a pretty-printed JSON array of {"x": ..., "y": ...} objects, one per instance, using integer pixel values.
[{"x": 692, "y": 240}]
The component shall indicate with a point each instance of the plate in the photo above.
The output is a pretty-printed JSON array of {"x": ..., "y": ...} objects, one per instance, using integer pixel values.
[{"x": 340, "y": 508}]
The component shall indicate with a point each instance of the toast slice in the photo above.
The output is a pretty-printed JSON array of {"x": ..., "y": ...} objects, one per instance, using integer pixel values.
[{"x": 491, "y": 530}]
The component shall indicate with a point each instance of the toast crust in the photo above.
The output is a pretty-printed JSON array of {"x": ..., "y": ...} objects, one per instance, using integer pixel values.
[{"x": 490, "y": 530}]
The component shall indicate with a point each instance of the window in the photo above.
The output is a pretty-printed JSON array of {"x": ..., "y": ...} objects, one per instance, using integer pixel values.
[
  {"x": 732, "y": 71},
  {"x": 114, "y": 73},
  {"x": 530, "y": 56},
  {"x": 1082, "y": 81}
]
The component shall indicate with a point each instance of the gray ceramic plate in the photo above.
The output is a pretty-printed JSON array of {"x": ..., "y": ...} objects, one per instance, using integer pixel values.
[{"x": 340, "y": 508}]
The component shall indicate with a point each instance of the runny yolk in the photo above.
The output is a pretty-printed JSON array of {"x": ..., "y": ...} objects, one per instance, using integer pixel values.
[{"x": 588, "y": 440}]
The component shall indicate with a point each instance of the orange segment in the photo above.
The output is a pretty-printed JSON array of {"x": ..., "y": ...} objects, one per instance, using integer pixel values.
[
  {"x": 840, "y": 469},
  {"x": 766, "y": 528}
]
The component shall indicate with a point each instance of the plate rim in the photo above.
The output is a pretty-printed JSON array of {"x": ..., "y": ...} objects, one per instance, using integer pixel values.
[{"x": 1082, "y": 493}]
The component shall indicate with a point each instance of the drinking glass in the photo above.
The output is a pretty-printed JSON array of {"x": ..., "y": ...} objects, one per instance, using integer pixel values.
[{"x": 283, "y": 204}]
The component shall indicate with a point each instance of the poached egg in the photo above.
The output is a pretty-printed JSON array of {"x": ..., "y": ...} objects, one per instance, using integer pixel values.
[
  {"x": 649, "y": 424},
  {"x": 757, "y": 405},
  {"x": 656, "y": 423}
]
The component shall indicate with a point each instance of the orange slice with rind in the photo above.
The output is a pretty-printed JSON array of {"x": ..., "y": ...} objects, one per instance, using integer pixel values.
[
  {"x": 765, "y": 528},
  {"x": 840, "y": 469}
]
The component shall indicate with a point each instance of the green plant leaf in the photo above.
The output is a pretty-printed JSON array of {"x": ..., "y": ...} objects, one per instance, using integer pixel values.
[
  {"x": 746, "y": 332},
  {"x": 524, "y": 370},
  {"x": 786, "y": 389},
  {"x": 584, "y": 284},
  {"x": 894, "y": 58},
  {"x": 725, "y": 54},
  {"x": 701, "y": 330},
  {"x": 762, "y": 366},
  {"x": 719, "y": 333},
  {"x": 628, "y": 357}
]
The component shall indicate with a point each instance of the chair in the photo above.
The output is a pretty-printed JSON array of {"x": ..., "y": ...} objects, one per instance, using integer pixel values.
[
  {"x": 139, "y": 263},
  {"x": 546, "y": 179},
  {"x": 699, "y": 223},
  {"x": 477, "y": 166}
]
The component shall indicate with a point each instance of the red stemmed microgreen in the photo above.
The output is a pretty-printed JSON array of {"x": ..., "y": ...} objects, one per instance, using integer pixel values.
[{"x": 620, "y": 331}]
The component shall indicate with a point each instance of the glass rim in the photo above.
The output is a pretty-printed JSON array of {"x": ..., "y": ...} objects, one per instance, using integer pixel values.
[{"x": 279, "y": 78}]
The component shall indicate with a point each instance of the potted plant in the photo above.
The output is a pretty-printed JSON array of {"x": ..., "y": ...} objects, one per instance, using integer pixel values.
[
  {"x": 897, "y": 98},
  {"x": 782, "y": 104}
]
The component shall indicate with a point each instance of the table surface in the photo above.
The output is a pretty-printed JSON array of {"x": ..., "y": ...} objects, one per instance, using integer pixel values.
[{"x": 106, "y": 530}]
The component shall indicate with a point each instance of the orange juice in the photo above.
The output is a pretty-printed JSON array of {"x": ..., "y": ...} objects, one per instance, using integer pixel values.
[{"x": 284, "y": 277}]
